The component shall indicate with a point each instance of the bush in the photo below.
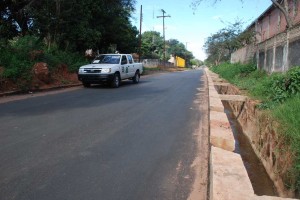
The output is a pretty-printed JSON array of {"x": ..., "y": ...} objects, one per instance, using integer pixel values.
[
  {"x": 19, "y": 55},
  {"x": 14, "y": 63},
  {"x": 283, "y": 86},
  {"x": 26, "y": 44}
]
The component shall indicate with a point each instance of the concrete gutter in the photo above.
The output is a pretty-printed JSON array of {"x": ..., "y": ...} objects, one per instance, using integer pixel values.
[{"x": 229, "y": 179}]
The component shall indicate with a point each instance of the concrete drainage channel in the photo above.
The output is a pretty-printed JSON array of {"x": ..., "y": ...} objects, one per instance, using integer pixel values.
[
  {"x": 260, "y": 180},
  {"x": 232, "y": 160}
]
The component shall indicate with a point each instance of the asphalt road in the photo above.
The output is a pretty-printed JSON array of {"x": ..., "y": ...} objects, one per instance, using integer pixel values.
[{"x": 135, "y": 142}]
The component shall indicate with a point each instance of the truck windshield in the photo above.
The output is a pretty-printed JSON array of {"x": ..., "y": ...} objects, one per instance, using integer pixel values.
[{"x": 107, "y": 59}]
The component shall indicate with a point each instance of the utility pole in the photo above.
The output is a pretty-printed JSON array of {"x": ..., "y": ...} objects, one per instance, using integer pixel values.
[
  {"x": 140, "y": 38},
  {"x": 186, "y": 43},
  {"x": 164, "y": 16}
]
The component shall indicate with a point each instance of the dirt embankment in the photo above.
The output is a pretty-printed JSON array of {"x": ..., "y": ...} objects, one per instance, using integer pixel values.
[
  {"x": 39, "y": 78},
  {"x": 268, "y": 145}
]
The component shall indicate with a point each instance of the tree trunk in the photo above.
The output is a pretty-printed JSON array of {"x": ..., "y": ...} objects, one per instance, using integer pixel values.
[{"x": 285, "y": 10}]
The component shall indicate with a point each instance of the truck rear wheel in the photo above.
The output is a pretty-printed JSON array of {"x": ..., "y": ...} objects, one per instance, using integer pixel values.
[
  {"x": 116, "y": 81},
  {"x": 136, "y": 78}
]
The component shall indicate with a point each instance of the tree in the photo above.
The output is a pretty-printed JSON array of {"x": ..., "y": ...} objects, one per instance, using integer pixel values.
[
  {"x": 220, "y": 45},
  {"x": 71, "y": 24},
  {"x": 282, "y": 5},
  {"x": 176, "y": 48},
  {"x": 196, "y": 62},
  {"x": 15, "y": 18},
  {"x": 152, "y": 45},
  {"x": 216, "y": 49}
]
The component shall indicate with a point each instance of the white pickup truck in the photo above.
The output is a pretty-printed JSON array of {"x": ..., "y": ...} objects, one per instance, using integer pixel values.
[{"x": 110, "y": 68}]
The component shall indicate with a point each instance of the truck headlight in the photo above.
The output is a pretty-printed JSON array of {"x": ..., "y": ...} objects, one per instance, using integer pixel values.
[
  {"x": 108, "y": 70},
  {"x": 81, "y": 70}
]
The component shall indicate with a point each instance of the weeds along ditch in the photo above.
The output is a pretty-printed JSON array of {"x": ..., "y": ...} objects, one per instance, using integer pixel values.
[{"x": 279, "y": 94}]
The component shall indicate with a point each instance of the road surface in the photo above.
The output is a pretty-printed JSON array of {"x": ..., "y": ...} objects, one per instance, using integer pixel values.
[{"x": 144, "y": 141}]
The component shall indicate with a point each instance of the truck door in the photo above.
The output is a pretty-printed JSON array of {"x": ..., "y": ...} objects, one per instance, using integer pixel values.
[
  {"x": 124, "y": 67},
  {"x": 131, "y": 66}
]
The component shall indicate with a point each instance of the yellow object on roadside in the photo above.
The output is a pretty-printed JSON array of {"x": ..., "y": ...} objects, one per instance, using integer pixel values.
[{"x": 180, "y": 62}]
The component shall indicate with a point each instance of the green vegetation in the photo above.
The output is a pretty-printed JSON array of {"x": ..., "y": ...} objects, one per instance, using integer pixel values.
[
  {"x": 153, "y": 47},
  {"x": 59, "y": 32},
  {"x": 220, "y": 45},
  {"x": 20, "y": 54},
  {"x": 271, "y": 89},
  {"x": 288, "y": 114},
  {"x": 246, "y": 77},
  {"x": 278, "y": 92},
  {"x": 72, "y": 25},
  {"x": 196, "y": 62}
]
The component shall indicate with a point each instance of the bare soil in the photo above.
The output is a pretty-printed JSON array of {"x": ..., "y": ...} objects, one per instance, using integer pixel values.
[
  {"x": 56, "y": 80},
  {"x": 201, "y": 162}
]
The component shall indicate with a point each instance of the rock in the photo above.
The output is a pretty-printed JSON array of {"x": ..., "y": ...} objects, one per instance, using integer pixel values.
[
  {"x": 62, "y": 70},
  {"x": 41, "y": 72}
]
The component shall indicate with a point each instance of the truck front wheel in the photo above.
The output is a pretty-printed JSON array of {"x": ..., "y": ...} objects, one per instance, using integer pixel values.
[
  {"x": 86, "y": 84},
  {"x": 116, "y": 81}
]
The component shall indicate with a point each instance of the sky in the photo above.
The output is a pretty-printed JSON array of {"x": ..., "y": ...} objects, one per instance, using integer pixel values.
[{"x": 193, "y": 27}]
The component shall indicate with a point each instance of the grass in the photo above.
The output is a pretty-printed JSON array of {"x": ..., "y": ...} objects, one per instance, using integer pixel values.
[
  {"x": 288, "y": 114},
  {"x": 279, "y": 93}
]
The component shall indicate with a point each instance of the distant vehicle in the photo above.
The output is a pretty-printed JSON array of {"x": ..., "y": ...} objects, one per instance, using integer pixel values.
[{"x": 110, "y": 68}]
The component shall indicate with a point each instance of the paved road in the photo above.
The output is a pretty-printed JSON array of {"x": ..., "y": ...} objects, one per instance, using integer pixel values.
[{"x": 134, "y": 142}]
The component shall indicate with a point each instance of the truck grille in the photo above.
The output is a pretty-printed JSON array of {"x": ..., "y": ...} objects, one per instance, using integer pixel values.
[{"x": 92, "y": 70}]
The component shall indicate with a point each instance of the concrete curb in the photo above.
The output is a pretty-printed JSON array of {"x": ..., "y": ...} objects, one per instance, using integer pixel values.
[
  {"x": 220, "y": 131},
  {"x": 229, "y": 179}
]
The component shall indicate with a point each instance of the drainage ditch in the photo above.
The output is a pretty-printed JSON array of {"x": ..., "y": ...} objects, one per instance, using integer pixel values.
[{"x": 261, "y": 182}]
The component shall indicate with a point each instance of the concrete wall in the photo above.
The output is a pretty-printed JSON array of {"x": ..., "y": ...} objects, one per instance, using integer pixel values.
[
  {"x": 153, "y": 63},
  {"x": 272, "y": 21},
  {"x": 276, "y": 49},
  {"x": 276, "y": 54},
  {"x": 150, "y": 63},
  {"x": 280, "y": 52},
  {"x": 244, "y": 54},
  {"x": 294, "y": 50}
]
